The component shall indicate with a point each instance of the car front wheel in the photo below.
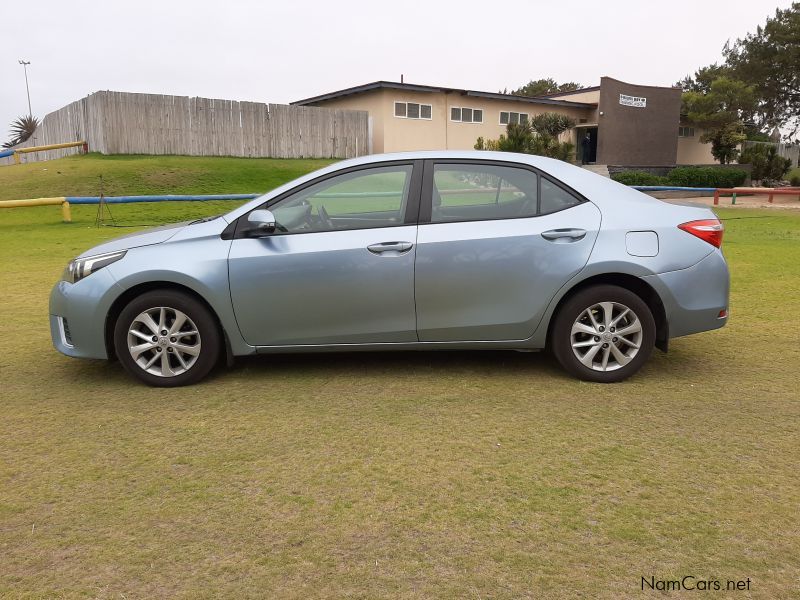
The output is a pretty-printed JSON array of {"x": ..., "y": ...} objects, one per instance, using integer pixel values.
[
  {"x": 167, "y": 339},
  {"x": 604, "y": 333}
]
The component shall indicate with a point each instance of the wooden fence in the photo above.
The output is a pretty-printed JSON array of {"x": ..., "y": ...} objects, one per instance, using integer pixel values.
[{"x": 126, "y": 123}]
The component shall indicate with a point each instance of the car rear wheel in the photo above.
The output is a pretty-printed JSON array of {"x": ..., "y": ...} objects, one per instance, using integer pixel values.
[
  {"x": 604, "y": 333},
  {"x": 167, "y": 339}
]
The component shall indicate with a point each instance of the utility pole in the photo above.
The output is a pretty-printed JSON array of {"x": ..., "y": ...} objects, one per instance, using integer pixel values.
[{"x": 27, "y": 89}]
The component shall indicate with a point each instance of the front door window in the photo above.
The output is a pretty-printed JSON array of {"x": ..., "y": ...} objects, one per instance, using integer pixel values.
[{"x": 362, "y": 199}]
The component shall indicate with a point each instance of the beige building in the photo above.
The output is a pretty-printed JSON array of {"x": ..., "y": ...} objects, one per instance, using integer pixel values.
[
  {"x": 690, "y": 150},
  {"x": 627, "y": 124}
]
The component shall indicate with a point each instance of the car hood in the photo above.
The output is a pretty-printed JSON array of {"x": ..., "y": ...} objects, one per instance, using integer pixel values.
[{"x": 148, "y": 237}]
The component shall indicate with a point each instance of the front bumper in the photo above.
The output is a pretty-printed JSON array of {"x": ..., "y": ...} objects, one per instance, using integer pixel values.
[
  {"x": 78, "y": 314},
  {"x": 693, "y": 298}
]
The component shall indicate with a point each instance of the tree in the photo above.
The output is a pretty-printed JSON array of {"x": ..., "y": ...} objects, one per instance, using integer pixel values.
[
  {"x": 538, "y": 136},
  {"x": 551, "y": 124},
  {"x": 703, "y": 78},
  {"x": 721, "y": 111},
  {"x": 769, "y": 60},
  {"x": 725, "y": 141},
  {"x": 542, "y": 87},
  {"x": 21, "y": 130}
]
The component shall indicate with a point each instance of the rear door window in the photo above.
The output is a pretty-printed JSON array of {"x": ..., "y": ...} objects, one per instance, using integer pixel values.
[{"x": 472, "y": 192}]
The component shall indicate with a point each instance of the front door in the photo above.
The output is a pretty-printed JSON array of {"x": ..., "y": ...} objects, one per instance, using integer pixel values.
[
  {"x": 587, "y": 152},
  {"x": 499, "y": 242},
  {"x": 339, "y": 269}
]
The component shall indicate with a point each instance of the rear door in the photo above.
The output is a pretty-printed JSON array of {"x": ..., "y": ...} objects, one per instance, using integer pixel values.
[{"x": 495, "y": 242}]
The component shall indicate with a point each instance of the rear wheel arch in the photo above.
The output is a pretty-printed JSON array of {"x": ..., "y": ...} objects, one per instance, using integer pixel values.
[
  {"x": 133, "y": 292},
  {"x": 629, "y": 282}
]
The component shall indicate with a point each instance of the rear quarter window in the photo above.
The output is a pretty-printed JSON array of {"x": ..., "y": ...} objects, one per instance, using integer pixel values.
[{"x": 555, "y": 198}]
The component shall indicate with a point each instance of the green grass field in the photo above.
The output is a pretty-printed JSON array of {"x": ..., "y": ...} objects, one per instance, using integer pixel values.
[
  {"x": 447, "y": 475},
  {"x": 139, "y": 174}
]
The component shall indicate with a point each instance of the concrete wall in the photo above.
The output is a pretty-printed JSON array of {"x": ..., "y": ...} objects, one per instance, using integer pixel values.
[
  {"x": 638, "y": 136},
  {"x": 413, "y": 134},
  {"x": 395, "y": 134},
  {"x": 462, "y": 136},
  {"x": 692, "y": 152},
  {"x": 590, "y": 96}
]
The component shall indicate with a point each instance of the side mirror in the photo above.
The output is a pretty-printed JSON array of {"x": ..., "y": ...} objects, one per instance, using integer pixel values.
[{"x": 261, "y": 221}]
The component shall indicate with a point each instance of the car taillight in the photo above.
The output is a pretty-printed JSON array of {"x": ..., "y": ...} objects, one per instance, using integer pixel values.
[{"x": 708, "y": 230}]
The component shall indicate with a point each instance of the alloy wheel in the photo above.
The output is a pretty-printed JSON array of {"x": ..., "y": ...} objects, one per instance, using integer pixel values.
[
  {"x": 164, "y": 341},
  {"x": 606, "y": 336}
]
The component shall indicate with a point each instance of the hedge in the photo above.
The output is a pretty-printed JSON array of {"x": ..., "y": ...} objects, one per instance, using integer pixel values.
[
  {"x": 639, "y": 178},
  {"x": 704, "y": 177},
  {"x": 707, "y": 177}
]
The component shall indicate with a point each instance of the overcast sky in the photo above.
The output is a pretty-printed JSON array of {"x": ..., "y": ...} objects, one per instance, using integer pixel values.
[{"x": 288, "y": 50}]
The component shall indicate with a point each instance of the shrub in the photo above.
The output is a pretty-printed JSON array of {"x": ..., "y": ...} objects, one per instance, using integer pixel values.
[
  {"x": 539, "y": 135},
  {"x": 706, "y": 177},
  {"x": 766, "y": 162},
  {"x": 686, "y": 177},
  {"x": 482, "y": 144},
  {"x": 794, "y": 177},
  {"x": 781, "y": 170},
  {"x": 639, "y": 178}
]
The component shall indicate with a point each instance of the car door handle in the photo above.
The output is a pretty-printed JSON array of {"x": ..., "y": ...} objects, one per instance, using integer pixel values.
[
  {"x": 399, "y": 247},
  {"x": 564, "y": 235}
]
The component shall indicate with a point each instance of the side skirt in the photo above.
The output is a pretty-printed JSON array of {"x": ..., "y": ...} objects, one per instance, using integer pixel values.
[{"x": 523, "y": 345}]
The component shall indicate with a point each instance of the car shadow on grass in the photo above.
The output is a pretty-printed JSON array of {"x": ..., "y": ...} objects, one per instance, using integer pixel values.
[
  {"x": 685, "y": 359},
  {"x": 445, "y": 362},
  {"x": 682, "y": 363}
]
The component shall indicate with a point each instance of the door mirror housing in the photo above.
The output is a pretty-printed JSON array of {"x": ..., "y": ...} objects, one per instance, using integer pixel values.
[{"x": 262, "y": 222}]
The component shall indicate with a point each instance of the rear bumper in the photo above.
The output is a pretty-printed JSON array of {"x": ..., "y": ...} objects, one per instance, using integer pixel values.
[{"x": 693, "y": 298}]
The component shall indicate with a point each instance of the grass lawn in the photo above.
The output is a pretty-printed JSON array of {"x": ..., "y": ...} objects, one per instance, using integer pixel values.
[
  {"x": 448, "y": 475},
  {"x": 140, "y": 174}
]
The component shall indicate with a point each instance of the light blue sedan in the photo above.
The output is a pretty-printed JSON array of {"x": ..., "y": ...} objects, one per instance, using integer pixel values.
[{"x": 412, "y": 251}]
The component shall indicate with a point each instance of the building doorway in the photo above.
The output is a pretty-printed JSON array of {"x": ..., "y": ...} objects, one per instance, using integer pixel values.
[{"x": 591, "y": 155}]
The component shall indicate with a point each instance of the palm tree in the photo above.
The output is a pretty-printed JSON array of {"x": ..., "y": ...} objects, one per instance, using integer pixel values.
[
  {"x": 21, "y": 130},
  {"x": 551, "y": 124}
]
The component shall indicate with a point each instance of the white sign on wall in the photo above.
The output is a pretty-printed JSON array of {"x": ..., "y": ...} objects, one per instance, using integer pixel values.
[{"x": 632, "y": 101}]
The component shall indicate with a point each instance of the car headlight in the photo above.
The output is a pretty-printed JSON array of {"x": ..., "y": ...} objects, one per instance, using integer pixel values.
[{"x": 79, "y": 268}]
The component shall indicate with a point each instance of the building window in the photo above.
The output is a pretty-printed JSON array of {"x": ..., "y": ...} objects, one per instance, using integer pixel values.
[
  {"x": 512, "y": 117},
  {"x": 685, "y": 131},
  {"x": 413, "y": 110},
  {"x": 466, "y": 115}
]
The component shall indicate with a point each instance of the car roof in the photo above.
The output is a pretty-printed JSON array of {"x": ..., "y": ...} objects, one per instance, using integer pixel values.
[{"x": 485, "y": 155}]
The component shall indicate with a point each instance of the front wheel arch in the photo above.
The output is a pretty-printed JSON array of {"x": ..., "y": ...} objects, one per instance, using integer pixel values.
[
  {"x": 632, "y": 283},
  {"x": 124, "y": 299}
]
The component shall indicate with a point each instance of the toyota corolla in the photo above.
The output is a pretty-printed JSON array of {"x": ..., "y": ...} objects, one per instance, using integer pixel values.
[{"x": 412, "y": 251}]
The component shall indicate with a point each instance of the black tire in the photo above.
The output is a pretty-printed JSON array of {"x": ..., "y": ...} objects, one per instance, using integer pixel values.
[
  {"x": 208, "y": 339},
  {"x": 561, "y": 339}
]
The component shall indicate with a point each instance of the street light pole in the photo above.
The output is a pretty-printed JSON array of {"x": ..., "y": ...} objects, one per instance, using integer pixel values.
[{"x": 27, "y": 89}]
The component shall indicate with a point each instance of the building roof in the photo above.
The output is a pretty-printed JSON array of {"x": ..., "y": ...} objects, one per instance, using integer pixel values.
[
  {"x": 596, "y": 88},
  {"x": 410, "y": 87},
  {"x": 593, "y": 88}
]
